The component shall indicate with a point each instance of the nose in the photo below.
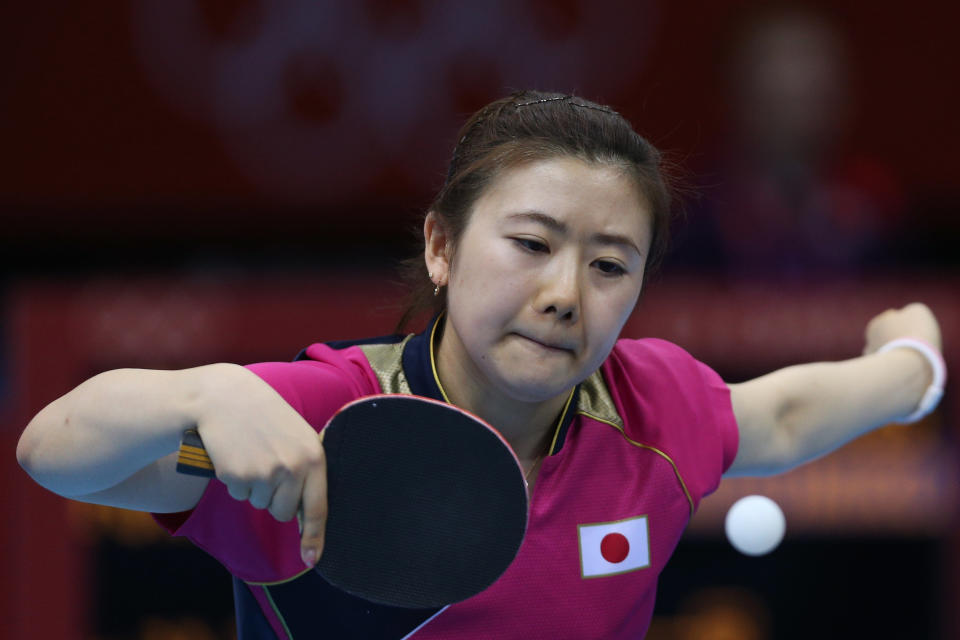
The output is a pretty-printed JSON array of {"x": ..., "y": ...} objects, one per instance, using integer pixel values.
[{"x": 560, "y": 292}]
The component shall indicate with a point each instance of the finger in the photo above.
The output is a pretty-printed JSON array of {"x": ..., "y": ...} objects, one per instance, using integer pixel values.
[
  {"x": 314, "y": 501},
  {"x": 262, "y": 494},
  {"x": 238, "y": 490},
  {"x": 286, "y": 499}
]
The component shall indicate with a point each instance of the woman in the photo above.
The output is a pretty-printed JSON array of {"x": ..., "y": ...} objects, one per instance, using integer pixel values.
[{"x": 535, "y": 252}]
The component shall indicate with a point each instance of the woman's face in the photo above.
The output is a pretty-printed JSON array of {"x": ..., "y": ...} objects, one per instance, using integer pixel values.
[{"x": 545, "y": 274}]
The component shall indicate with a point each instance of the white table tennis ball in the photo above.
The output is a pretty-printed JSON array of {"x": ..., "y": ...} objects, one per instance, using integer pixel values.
[{"x": 755, "y": 525}]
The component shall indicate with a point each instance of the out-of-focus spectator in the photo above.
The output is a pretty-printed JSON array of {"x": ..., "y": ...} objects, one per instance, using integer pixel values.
[{"x": 782, "y": 196}]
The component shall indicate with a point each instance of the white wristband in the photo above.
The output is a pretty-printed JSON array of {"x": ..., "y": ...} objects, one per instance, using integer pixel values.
[{"x": 931, "y": 397}]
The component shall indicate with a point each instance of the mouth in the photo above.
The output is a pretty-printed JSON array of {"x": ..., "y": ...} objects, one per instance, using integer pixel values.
[{"x": 559, "y": 348}]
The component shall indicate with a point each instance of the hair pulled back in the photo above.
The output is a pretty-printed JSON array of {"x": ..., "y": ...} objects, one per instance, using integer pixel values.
[{"x": 529, "y": 126}]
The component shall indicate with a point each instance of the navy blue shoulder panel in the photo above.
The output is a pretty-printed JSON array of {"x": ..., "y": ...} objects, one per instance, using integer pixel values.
[
  {"x": 251, "y": 623},
  {"x": 417, "y": 356},
  {"x": 418, "y": 367},
  {"x": 418, "y": 364},
  {"x": 312, "y": 608}
]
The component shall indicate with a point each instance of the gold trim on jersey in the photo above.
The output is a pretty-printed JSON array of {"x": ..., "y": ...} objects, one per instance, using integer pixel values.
[
  {"x": 276, "y": 582},
  {"x": 386, "y": 360},
  {"x": 433, "y": 358},
  {"x": 563, "y": 415},
  {"x": 595, "y": 400},
  {"x": 276, "y": 611},
  {"x": 597, "y": 404},
  {"x": 436, "y": 377}
]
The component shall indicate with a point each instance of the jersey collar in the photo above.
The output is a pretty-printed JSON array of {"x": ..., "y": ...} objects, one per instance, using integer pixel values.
[{"x": 420, "y": 368}]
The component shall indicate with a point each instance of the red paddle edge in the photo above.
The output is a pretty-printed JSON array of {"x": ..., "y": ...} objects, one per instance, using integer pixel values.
[{"x": 446, "y": 405}]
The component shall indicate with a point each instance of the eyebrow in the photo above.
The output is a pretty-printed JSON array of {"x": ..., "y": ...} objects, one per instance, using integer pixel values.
[{"x": 556, "y": 225}]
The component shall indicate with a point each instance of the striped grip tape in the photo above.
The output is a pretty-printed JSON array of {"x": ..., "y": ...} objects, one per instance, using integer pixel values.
[{"x": 192, "y": 458}]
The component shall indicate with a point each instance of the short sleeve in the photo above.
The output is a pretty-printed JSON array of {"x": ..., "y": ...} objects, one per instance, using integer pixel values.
[
  {"x": 719, "y": 406},
  {"x": 671, "y": 401},
  {"x": 249, "y": 542}
]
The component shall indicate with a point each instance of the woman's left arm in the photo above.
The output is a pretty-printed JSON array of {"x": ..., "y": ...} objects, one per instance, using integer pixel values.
[{"x": 796, "y": 414}]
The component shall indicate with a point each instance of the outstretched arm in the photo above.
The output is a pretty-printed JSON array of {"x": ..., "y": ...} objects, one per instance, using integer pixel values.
[
  {"x": 799, "y": 413},
  {"x": 113, "y": 441}
]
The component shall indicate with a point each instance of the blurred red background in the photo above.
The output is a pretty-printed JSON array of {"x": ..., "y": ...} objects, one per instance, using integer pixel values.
[
  {"x": 189, "y": 181},
  {"x": 110, "y": 129}
]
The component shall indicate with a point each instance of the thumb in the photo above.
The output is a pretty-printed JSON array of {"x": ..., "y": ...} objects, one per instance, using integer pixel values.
[{"x": 314, "y": 514}]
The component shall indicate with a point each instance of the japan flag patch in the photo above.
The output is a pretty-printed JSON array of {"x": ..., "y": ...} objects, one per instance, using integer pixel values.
[{"x": 609, "y": 548}]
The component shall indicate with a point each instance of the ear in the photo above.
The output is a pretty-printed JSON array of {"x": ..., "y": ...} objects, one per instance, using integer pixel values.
[{"x": 437, "y": 249}]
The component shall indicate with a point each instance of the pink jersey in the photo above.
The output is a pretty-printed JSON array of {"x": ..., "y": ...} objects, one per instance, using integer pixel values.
[{"x": 643, "y": 440}]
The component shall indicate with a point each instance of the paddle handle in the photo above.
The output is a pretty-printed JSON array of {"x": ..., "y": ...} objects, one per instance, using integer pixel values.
[{"x": 192, "y": 458}]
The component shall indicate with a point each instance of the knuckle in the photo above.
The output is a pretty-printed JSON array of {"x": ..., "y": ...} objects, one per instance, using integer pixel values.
[
  {"x": 280, "y": 513},
  {"x": 313, "y": 456},
  {"x": 299, "y": 467},
  {"x": 312, "y": 532},
  {"x": 313, "y": 514},
  {"x": 281, "y": 473},
  {"x": 318, "y": 514}
]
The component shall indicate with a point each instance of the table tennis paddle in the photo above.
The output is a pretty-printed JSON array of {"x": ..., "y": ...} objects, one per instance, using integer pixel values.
[{"x": 427, "y": 503}]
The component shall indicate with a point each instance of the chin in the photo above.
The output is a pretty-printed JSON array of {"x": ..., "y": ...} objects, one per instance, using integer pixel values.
[{"x": 529, "y": 389}]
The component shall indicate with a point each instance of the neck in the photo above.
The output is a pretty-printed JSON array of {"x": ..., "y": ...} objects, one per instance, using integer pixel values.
[{"x": 527, "y": 426}]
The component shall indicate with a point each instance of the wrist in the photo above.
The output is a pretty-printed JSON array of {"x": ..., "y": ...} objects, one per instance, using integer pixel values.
[
  {"x": 206, "y": 389},
  {"x": 936, "y": 367}
]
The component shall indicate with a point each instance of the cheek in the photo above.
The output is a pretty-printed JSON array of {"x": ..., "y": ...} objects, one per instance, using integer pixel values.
[
  {"x": 492, "y": 277},
  {"x": 476, "y": 303},
  {"x": 612, "y": 316}
]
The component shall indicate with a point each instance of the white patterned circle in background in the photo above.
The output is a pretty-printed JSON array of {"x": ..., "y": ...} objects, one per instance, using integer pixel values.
[{"x": 314, "y": 100}]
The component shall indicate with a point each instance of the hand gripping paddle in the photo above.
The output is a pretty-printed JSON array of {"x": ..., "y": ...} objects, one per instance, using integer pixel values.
[{"x": 427, "y": 503}]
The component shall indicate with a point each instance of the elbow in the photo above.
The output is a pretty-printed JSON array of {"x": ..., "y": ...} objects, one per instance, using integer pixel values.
[
  {"x": 34, "y": 454},
  {"x": 788, "y": 447},
  {"x": 26, "y": 451},
  {"x": 771, "y": 450}
]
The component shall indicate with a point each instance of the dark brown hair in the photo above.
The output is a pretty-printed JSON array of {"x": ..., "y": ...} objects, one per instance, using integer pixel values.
[{"x": 524, "y": 127}]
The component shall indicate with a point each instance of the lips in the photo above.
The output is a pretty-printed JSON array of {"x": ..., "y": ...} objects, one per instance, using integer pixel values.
[{"x": 551, "y": 345}]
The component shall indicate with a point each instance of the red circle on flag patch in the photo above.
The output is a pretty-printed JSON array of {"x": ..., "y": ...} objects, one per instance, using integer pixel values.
[{"x": 614, "y": 547}]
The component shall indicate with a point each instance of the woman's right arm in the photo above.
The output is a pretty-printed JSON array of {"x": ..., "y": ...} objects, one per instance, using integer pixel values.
[
  {"x": 113, "y": 440},
  {"x": 110, "y": 428}
]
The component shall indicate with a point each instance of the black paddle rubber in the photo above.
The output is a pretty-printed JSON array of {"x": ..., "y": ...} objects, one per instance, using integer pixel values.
[{"x": 427, "y": 504}]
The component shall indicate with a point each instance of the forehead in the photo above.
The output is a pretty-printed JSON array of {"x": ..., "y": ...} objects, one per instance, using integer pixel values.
[{"x": 594, "y": 196}]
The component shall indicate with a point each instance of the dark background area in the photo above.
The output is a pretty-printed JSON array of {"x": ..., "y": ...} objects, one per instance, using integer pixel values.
[
  {"x": 113, "y": 154},
  {"x": 186, "y": 181}
]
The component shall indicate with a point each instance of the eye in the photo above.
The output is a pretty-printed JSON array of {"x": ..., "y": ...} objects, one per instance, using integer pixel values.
[
  {"x": 610, "y": 268},
  {"x": 533, "y": 246}
]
